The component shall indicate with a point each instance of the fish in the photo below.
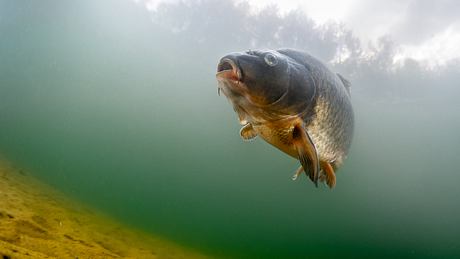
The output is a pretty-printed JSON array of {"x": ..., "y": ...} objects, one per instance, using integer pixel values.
[{"x": 294, "y": 102}]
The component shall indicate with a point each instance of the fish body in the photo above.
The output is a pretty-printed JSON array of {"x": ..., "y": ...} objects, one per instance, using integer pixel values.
[{"x": 294, "y": 102}]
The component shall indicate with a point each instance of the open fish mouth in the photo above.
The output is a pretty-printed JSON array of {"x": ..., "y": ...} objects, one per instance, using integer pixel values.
[
  {"x": 228, "y": 69},
  {"x": 229, "y": 76}
]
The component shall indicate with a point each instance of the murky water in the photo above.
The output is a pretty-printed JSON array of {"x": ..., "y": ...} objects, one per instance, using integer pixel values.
[{"x": 103, "y": 104}]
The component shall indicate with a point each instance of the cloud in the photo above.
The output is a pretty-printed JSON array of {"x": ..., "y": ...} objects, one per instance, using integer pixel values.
[
  {"x": 425, "y": 19},
  {"x": 371, "y": 20},
  {"x": 152, "y": 5},
  {"x": 423, "y": 29},
  {"x": 437, "y": 50}
]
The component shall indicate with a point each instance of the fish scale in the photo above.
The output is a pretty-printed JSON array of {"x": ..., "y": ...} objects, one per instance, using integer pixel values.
[{"x": 294, "y": 102}]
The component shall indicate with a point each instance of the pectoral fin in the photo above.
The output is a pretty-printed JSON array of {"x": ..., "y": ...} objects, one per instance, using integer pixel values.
[
  {"x": 306, "y": 151},
  {"x": 247, "y": 132}
]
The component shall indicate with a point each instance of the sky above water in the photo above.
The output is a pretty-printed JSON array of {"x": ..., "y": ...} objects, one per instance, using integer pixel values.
[{"x": 423, "y": 29}]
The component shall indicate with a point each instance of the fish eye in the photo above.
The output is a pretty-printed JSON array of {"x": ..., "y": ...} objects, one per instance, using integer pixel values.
[{"x": 271, "y": 59}]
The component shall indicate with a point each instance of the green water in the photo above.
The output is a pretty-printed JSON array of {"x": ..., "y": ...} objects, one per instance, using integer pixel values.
[{"x": 100, "y": 102}]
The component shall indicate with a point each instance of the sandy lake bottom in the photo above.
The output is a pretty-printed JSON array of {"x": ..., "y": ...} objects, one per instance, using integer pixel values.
[{"x": 38, "y": 222}]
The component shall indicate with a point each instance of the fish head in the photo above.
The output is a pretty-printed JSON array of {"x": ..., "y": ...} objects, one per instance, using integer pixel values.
[
  {"x": 264, "y": 84},
  {"x": 260, "y": 76}
]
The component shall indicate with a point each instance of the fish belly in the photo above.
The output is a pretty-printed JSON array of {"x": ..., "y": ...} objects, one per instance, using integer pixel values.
[{"x": 278, "y": 135}]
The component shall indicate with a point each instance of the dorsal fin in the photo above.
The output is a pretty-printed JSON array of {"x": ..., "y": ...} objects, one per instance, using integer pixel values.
[{"x": 346, "y": 83}]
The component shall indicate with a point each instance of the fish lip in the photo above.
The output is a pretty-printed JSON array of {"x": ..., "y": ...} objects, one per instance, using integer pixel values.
[
  {"x": 230, "y": 77},
  {"x": 228, "y": 69}
]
